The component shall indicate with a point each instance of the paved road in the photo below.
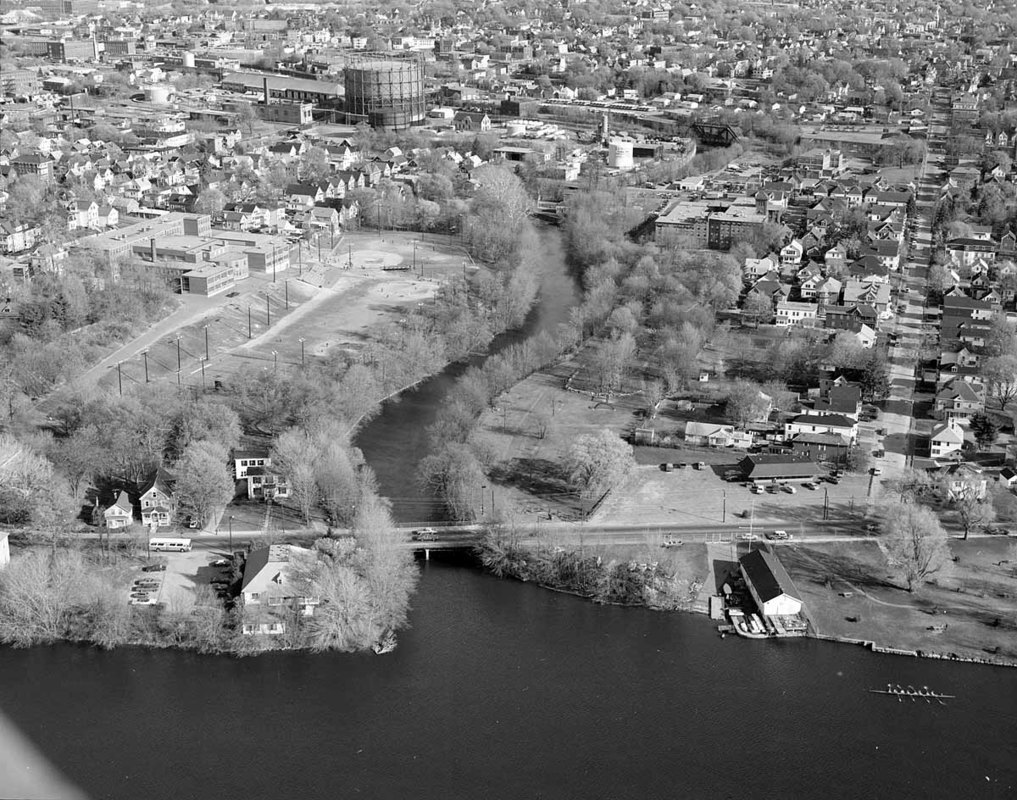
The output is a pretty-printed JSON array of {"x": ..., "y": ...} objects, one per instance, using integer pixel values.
[{"x": 898, "y": 416}]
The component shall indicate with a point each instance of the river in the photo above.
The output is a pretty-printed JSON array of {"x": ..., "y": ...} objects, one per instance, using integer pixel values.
[
  {"x": 504, "y": 690},
  {"x": 395, "y": 441}
]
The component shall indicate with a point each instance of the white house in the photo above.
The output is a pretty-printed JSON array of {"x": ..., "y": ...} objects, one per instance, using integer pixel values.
[
  {"x": 244, "y": 459},
  {"x": 822, "y": 423},
  {"x": 791, "y": 254},
  {"x": 120, "y": 514},
  {"x": 269, "y": 585},
  {"x": 791, "y": 312},
  {"x": 769, "y": 584},
  {"x": 156, "y": 501},
  {"x": 946, "y": 439}
]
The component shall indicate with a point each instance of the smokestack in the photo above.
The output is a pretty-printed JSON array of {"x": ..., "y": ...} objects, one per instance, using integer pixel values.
[{"x": 265, "y": 80}]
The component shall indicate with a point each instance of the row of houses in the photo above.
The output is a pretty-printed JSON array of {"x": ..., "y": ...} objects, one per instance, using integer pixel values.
[{"x": 155, "y": 503}]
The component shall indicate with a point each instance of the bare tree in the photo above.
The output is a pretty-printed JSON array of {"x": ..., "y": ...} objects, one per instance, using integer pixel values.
[
  {"x": 968, "y": 499},
  {"x": 915, "y": 542},
  {"x": 204, "y": 483},
  {"x": 1000, "y": 372},
  {"x": 597, "y": 462}
]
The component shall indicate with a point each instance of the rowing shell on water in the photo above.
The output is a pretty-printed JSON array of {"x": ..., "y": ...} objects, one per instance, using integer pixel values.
[{"x": 900, "y": 692}]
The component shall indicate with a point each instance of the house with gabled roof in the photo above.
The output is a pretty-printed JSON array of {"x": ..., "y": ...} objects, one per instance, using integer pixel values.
[
  {"x": 119, "y": 515},
  {"x": 156, "y": 500},
  {"x": 946, "y": 439},
  {"x": 958, "y": 401},
  {"x": 769, "y": 584},
  {"x": 963, "y": 481},
  {"x": 271, "y": 589},
  {"x": 838, "y": 424}
]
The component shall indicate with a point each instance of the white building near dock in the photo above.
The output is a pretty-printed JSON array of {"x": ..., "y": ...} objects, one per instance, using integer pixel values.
[{"x": 770, "y": 585}]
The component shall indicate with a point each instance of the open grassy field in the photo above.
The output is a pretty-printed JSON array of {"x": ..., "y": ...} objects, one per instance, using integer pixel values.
[{"x": 969, "y": 609}]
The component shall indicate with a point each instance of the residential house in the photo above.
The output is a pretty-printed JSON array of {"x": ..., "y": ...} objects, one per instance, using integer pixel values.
[
  {"x": 16, "y": 238},
  {"x": 769, "y": 584},
  {"x": 1008, "y": 477},
  {"x": 83, "y": 214},
  {"x": 756, "y": 268},
  {"x": 269, "y": 591},
  {"x": 820, "y": 289},
  {"x": 836, "y": 258},
  {"x": 841, "y": 398},
  {"x": 245, "y": 459},
  {"x": 120, "y": 514},
  {"x": 964, "y": 251},
  {"x": 822, "y": 423},
  {"x": 791, "y": 254},
  {"x": 946, "y": 439},
  {"x": 875, "y": 295},
  {"x": 820, "y": 446},
  {"x": 265, "y": 483},
  {"x": 710, "y": 434},
  {"x": 789, "y": 312},
  {"x": 958, "y": 401},
  {"x": 964, "y": 481},
  {"x": 156, "y": 500},
  {"x": 319, "y": 218}
]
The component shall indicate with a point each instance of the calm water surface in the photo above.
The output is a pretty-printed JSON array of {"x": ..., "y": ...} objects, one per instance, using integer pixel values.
[{"x": 503, "y": 690}]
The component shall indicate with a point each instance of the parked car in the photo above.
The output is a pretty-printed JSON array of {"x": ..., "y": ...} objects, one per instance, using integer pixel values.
[
  {"x": 877, "y": 471},
  {"x": 748, "y": 537},
  {"x": 832, "y": 479},
  {"x": 809, "y": 485},
  {"x": 700, "y": 465},
  {"x": 757, "y": 489},
  {"x": 425, "y": 535},
  {"x": 154, "y": 568},
  {"x": 220, "y": 562},
  {"x": 787, "y": 487},
  {"x": 780, "y": 535}
]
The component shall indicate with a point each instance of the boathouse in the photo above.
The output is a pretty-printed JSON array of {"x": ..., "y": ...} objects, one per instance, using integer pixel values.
[{"x": 770, "y": 585}]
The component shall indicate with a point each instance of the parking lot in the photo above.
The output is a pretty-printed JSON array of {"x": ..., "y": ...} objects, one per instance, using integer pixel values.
[
  {"x": 692, "y": 496},
  {"x": 179, "y": 586}
]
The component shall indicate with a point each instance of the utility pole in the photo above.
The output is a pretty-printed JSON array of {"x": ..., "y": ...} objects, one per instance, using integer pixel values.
[
  {"x": 145, "y": 354},
  {"x": 248, "y": 320},
  {"x": 206, "y": 343},
  {"x": 273, "y": 263},
  {"x": 724, "y": 512},
  {"x": 301, "y": 351},
  {"x": 268, "y": 312},
  {"x": 178, "y": 354},
  {"x": 275, "y": 360},
  {"x": 203, "y": 373},
  {"x": 287, "y": 286},
  {"x": 120, "y": 379}
]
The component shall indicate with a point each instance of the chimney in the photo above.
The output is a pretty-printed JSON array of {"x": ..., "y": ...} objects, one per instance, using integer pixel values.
[{"x": 265, "y": 83}]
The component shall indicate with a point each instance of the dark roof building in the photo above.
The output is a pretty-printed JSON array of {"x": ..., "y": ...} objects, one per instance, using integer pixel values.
[
  {"x": 778, "y": 468},
  {"x": 770, "y": 585}
]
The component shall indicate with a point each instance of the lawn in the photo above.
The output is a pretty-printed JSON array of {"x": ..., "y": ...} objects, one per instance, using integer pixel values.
[{"x": 975, "y": 597}]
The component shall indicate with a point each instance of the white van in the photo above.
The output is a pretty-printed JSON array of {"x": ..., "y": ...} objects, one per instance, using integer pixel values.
[{"x": 169, "y": 545}]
